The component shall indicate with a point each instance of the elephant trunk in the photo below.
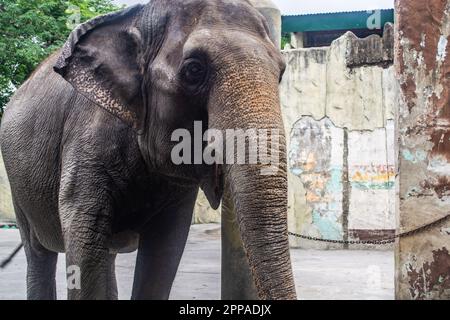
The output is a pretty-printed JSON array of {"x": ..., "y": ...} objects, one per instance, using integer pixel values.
[{"x": 249, "y": 99}]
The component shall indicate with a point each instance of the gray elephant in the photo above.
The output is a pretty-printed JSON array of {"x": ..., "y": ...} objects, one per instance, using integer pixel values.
[{"x": 88, "y": 148}]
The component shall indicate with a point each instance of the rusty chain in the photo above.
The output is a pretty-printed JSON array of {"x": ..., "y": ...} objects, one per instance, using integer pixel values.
[{"x": 381, "y": 241}]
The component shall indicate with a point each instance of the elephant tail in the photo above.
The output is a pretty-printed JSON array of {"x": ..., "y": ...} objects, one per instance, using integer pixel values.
[{"x": 8, "y": 260}]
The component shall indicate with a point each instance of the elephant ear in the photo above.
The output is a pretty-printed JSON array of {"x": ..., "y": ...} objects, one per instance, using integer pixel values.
[{"x": 101, "y": 61}]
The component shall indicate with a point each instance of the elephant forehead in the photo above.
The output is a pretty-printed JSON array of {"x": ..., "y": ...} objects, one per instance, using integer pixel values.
[
  {"x": 223, "y": 14},
  {"x": 231, "y": 41}
]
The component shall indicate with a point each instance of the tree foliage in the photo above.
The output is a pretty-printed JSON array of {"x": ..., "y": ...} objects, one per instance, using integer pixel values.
[
  {"x": 285, "y": 39},
  {"x": 32, "y": 29}
]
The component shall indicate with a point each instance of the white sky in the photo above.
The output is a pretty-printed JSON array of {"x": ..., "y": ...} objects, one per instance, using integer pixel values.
[{"x": 315, "y": 6}]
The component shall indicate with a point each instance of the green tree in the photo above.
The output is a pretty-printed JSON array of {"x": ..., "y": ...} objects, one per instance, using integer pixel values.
[
  {"x": 32, "y": 29},
  {"x": 285, "y": 39}
]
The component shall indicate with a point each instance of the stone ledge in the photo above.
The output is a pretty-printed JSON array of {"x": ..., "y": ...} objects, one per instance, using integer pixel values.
[{"x": 373, "y": 50}]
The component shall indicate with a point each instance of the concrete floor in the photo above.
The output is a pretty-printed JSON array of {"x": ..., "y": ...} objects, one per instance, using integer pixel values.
[{"x": 318, "y": 274}]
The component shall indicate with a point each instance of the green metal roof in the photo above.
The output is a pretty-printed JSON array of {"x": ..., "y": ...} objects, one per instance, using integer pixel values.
[{"x": 332, "y": 21}]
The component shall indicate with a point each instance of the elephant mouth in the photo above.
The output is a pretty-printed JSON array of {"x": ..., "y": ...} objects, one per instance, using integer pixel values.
[
  {"x": 210, "y": 179},
  {"x": 213, "y": 185}
]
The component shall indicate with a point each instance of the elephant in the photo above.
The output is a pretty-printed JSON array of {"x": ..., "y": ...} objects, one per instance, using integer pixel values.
[{"x": 87, "y": 143}]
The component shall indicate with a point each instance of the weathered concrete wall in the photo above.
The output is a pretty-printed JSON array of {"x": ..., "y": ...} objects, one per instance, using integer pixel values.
[
  {"x": 338, "y": 105},
  {"x": 423, "y": 68},
  {"x": 6, "y": 206}
]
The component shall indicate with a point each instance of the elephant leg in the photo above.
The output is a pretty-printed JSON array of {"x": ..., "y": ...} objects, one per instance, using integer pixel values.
[
  {"x": 90, "y": 266},
  {"x": 41, "y": 263},
  {"x": 85, "y": 208},
  {"x": 41, "y": 271},
  {"x": 161, "y": 247}
]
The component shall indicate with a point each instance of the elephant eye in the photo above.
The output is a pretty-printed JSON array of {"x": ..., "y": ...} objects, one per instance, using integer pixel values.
[{"x": 193, "y": 72}]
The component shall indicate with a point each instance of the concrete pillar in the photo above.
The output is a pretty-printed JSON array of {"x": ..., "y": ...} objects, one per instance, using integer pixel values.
[
  {"x": 237, "y": 282},
  {"x": 423, "y": 67},
  {"x": 273, "y": 16}
]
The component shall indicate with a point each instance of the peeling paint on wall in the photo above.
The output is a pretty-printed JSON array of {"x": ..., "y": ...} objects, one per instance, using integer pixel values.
[
  {"x": 423, "y": 68},
  {"x": 432, "y": 278},
  {"x": 372, "y": 176},
  {"x": 442, "y": 49},
  {"x": 317, "y": 157},
  {"x": 325, "y": 92},
  {"x": 375, "y": 177},
  {"x": 414, "y": 156}
]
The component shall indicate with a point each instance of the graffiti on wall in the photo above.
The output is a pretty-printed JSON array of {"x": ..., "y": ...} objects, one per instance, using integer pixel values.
[
  {"x": 316, "y": 157},
  {"x": 326, "y": 159}
]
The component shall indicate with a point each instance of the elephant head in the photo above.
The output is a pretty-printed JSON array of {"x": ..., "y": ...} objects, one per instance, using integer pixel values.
[{"x": 162, "y": 67}]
